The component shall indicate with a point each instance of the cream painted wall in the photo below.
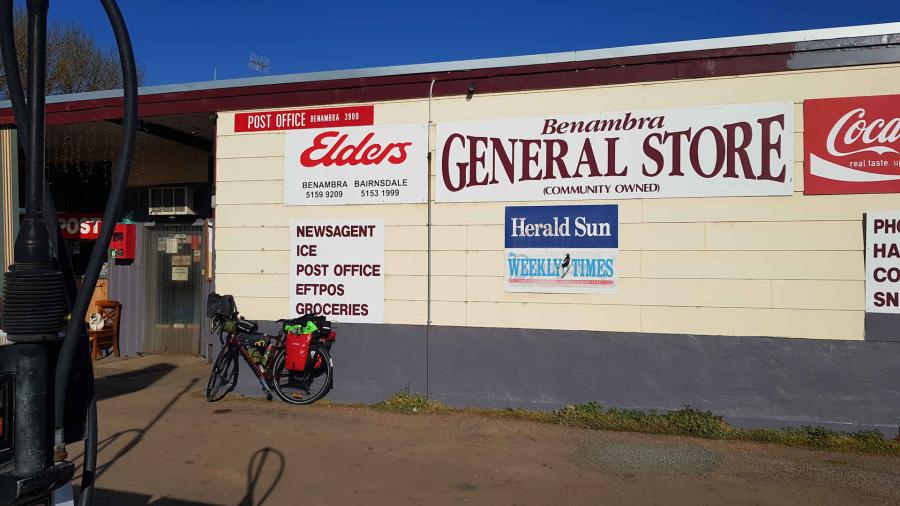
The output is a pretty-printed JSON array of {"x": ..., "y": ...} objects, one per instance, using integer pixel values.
[{"x": 759, "y": 266}]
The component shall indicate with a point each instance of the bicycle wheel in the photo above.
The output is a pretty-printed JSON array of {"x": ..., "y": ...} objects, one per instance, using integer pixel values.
[
  {"x": 224, "y": 374},
  {"x": 304, "y": 387}
]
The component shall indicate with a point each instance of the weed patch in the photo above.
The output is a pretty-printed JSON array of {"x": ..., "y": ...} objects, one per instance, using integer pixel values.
[
  {"x": 684, "y": 422},
  {"x": 405, "y": 402}
]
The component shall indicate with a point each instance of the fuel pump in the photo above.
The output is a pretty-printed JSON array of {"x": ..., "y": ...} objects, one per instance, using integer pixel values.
[{"x": 46, "y": 377}]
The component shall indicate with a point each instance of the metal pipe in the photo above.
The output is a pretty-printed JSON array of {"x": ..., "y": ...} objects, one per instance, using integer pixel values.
[{"x": 428, "y": 277}]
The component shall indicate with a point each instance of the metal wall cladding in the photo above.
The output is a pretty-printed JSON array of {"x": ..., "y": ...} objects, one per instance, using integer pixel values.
[{"x": 128, "y": 285}]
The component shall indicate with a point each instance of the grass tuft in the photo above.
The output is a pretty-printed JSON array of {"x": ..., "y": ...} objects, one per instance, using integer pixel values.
[
  {"x": 684, "y": 422},
  {"x": 405, "y": 402}
]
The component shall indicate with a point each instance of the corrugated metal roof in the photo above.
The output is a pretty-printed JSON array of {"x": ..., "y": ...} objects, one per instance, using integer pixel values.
[{"x": 563, "y": 57}]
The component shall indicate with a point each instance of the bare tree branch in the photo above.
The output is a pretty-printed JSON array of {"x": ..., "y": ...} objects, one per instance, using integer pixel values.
[{"x": 75, "y": 63}]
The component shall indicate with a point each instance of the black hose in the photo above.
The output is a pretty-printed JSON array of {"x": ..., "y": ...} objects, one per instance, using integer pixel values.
[
  {"x": 114, "y": 205},
  {"x": 88, "y": 474}
]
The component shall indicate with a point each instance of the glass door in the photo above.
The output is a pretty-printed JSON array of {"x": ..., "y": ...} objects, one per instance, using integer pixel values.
[{"x": 175, "y": 289}]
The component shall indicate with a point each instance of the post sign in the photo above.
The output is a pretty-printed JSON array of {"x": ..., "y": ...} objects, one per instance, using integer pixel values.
[
  {"x": 562, "y": 249},
  {"x": 294, "y": 119},
  {"x": 84, "y": 226},
  {"x": 717, "y": 151},
  {"x": 337, "y": 269},
  {"x": 386, "y": 164},
  {"x": 883, "y": 261},
  {"x": 852, "y": 145}
]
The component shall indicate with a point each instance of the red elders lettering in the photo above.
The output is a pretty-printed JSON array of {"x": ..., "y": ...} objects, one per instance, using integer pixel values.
[{"x": 332, "y": 148}]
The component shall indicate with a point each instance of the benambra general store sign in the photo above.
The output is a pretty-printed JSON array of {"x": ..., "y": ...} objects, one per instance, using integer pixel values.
[{"x": 729, "y": 150}]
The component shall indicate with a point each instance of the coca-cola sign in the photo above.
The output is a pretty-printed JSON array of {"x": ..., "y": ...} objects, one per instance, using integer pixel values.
[
  {"x": 728, "y": 150},
  {"x": 852, "y": 145},
  {"x": 356, "y": 165}
]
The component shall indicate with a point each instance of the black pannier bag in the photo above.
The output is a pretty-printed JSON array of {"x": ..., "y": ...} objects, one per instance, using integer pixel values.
[{"x": 220, "y": 305}]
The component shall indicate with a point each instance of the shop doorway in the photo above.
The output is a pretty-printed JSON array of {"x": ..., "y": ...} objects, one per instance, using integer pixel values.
[{"x": 175, "y": 289}]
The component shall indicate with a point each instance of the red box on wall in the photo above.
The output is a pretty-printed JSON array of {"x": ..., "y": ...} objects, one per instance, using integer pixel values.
[{"x": 121, "y": 247}]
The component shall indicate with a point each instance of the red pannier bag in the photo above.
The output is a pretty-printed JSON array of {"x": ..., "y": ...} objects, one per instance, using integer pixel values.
[{"x": 297, "y": 351}]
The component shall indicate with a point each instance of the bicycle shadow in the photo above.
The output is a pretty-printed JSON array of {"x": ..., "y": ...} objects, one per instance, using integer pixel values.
[{"x": 257, "y": 469}]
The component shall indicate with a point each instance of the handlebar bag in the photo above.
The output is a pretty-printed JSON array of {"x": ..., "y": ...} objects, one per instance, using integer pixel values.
[
  {"x": 297, "y": 351},
  {"x": 220, "y": 305}
]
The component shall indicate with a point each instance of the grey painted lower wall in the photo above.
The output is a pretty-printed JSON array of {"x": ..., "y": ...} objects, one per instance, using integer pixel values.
[
  {"x": 752, "y": 381},
  {"x": 882, "y": 327}
]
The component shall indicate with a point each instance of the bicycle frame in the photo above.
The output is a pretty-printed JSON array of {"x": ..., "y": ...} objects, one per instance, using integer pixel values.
[
  {"x": 264, "y": 375},
  {"x": 267, "y": 373}
]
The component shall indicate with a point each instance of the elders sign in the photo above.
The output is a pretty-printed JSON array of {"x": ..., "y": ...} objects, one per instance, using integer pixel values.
[
  {"x": 729, "y": 150},
  {"x": 385, "y": 164},
  {"x": 337, "y": 269}
]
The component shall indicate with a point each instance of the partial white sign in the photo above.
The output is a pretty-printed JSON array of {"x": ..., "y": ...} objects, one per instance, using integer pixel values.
[
  {"x": 883, "y": 261},
  {"x": 717, "y": 151},
  {"x": 337, "y": 269},
  {"x": 180, "y": 273},
  {"x": 386, "y": 164}
]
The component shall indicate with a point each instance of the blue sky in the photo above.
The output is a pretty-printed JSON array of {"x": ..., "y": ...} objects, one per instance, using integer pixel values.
[{"x": 185, "y": 40}]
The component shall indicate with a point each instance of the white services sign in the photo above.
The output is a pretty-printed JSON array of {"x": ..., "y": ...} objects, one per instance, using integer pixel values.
[
  {"x": 716, "y": 151},
  {"x": 883, "y": 261},
  {"x": 384, "y": 164},
  {"x": 337, "y": 269}
]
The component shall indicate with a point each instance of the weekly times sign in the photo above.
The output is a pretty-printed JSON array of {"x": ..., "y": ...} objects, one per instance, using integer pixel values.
[{"x": 562, "y": 249}]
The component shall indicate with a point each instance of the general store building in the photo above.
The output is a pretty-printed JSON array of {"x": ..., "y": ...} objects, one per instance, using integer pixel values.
[{"x": 726, "y": 191}]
